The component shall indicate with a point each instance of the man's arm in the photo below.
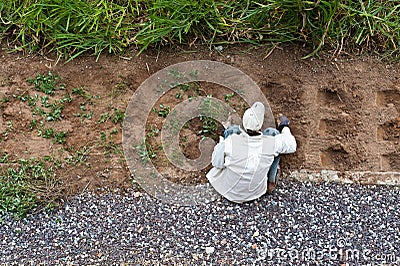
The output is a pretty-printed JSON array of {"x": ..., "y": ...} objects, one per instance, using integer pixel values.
[{"x": 285, "y": 142}]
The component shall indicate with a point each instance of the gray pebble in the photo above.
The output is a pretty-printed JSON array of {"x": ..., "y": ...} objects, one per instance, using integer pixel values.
[{"x": 301, "y": 223}]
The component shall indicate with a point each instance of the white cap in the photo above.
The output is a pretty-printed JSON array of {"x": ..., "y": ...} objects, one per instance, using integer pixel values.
[{"x": 253, "y": 117}]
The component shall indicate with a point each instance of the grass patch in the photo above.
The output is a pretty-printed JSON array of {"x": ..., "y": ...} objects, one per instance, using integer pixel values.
[
  {"x": 29, "y": 184},
  {"x": 71, "y": 28},
  {"x": 49, "y": 111}
]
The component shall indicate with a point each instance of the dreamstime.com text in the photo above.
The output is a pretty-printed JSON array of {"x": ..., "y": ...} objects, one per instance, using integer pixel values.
[{"x": 329, "y": 254}]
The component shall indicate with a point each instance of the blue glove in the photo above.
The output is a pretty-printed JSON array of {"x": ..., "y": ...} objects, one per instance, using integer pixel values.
[{"x": 283, "y": 121}]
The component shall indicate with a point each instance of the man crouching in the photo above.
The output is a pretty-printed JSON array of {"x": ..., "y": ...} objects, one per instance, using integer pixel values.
[{"x": 246, "y": 161}]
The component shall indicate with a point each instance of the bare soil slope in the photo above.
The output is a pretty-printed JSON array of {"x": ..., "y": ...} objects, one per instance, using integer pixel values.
[{"x": 344, "y": 111}]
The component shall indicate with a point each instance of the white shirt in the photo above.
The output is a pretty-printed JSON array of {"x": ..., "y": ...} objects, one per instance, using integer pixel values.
[{"x": 241, "y": 163}]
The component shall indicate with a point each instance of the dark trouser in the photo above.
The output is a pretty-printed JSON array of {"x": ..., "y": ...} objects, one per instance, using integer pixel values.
[{"x": 273, "y": 170}]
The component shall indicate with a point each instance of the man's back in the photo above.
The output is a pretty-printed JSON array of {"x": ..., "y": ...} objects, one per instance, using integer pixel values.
[{"x": 243, "y": 176}]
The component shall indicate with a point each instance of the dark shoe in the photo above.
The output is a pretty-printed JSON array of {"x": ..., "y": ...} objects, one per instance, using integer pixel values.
[
  {"x": 271, "y": 187},
  {"x": 278, "y": 175}
]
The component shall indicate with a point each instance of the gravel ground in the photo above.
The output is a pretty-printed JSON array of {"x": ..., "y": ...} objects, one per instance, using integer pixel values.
[{"x": 301, "y": 224}]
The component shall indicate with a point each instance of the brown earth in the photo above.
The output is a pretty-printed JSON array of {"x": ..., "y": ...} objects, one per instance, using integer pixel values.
[{"x": 344, "y": 110}]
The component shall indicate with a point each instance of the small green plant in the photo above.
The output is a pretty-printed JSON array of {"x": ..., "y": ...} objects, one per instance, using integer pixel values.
[
  {"x": 114, "y": 131},
  {"x": 83, "y": 115},
  {"x": 104, "y": 118},
  {"x": 178, "y": 95},
  {"x": 45, "y": 101},
  {"x": 47, "y": 84},
  {"x": 46, "y": 133},
  {"x": 82, "y": 106},
  {"x": 103, "y": 136},
  {"x": 3, "y": 101},
  {"x": 108, "y": 145},
  {"x": 88, "y": 115},
  {"x": 10, "y": 125},
  {"x": 185, "y": 87},
  {"x": 33, "y": 124},
  {"x": 163, "y": 111},
  {"x": 4, "y": 135},
  {"x": 228, "y": 96},
  {"x": 4, "y": 157},
  {"x": 60, "y": 137},
  {"x": 55, "y": 112},
  {"x": 32, "y": 100},
  {"x": 79, "y": 156},
  {"x": 81, "y": 92},
  {"x": 209, "y": 127},
  {"x": 118, "y": 116},
  {"x": 66, "y": 99},
  {"x": 145, "y": 152},
  {"x": 112, "y": 148},
  {"x": 50, "y": 133},
  {"x": 154, "y": 131}
]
